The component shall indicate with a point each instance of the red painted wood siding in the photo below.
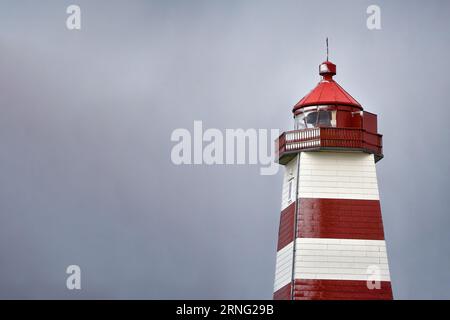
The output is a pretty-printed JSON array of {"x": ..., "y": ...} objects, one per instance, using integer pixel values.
[
  {"x": 283, "y": 293},
  {"x": 339, "y": 290},
  {"x": 286, "y": 231},
  {"x": 340, "y": 219}
]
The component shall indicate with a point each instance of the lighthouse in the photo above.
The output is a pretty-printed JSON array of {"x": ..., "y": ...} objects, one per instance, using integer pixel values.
[{"x": 331, "y": 242}]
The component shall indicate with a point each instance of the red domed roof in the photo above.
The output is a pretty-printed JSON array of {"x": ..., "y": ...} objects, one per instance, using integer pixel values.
[{"x": 327, "y": 91}]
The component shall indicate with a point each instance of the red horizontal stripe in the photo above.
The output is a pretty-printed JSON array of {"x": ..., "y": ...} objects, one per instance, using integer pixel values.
[
  {"x": 340, "y": 290},
  {"x": 340, "y": 219},
  {"x": 286, "y": 231},
  {"x": 332, "y": 218},
  {"x": 334, "y": 290}
]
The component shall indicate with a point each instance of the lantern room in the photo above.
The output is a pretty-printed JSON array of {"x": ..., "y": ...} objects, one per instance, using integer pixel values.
[
  {"x": 329, "y": 105},
  {"x": 330, "y": 118}
]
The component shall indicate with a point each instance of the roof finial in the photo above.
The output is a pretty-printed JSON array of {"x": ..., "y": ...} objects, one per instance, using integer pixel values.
[{"x": 327, "y": 48}]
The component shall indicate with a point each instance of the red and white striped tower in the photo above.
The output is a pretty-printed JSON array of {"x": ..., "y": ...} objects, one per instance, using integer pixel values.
[{"x": 331, "y": 241}]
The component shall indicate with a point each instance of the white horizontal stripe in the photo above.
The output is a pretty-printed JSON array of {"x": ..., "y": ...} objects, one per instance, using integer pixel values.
[
  {"x": 340, "y": 259},
  {"x": 338, "y": 175},
  {"x": 290, "y": 174},
  {"x": 283, "y": 269},
  {"x": 331, "y": 259}
]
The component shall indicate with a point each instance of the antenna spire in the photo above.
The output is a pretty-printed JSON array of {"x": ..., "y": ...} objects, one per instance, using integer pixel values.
[{"x": 327, "y": 48}]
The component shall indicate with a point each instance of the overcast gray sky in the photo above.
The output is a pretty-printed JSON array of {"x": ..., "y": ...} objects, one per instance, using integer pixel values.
[{"x": 86, "y": 118}]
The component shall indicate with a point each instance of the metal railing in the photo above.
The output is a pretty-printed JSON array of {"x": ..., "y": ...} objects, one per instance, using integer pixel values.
[{"x": 329, "y": 138}]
